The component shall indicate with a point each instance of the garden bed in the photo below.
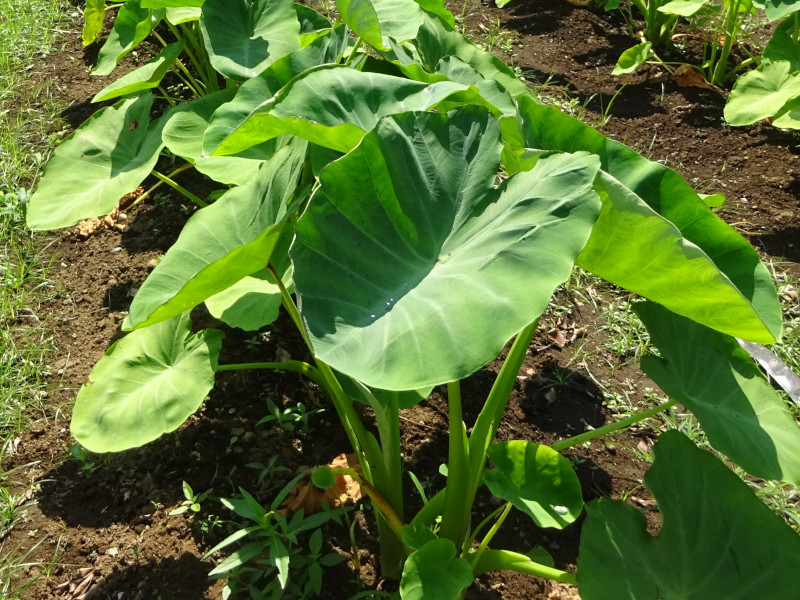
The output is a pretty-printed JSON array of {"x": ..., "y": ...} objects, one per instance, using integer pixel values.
[{"x": 106, "y": 518}]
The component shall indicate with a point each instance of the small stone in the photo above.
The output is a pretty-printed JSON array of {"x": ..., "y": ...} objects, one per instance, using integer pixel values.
[
  {"x": 116, "y": 250},
  {"x": 152, "y": 264}
]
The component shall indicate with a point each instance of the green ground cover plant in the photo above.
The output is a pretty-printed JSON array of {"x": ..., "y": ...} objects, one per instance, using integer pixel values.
[
  {"x": 412, "y": 208},
  {"x": 765, "y": 78}
]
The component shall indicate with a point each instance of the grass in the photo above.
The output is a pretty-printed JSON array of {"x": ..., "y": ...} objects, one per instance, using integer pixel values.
[{"x": 27, "y": 115}]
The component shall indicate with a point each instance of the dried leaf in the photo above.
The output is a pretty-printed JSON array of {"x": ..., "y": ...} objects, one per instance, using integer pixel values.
[
  {"x": 308, "y": 497},
  {"x": 686, "y": 76},
  {"x": 116, "y": 219}
]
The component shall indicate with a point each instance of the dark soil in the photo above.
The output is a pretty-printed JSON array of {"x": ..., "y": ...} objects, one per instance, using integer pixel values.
[{"x": 108, "y": 516}]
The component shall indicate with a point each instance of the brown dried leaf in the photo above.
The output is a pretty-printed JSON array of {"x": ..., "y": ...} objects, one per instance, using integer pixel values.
[
  {"x": 686, "y": 76},
  {"x": 308, "y": 497},
  {"x": 116, "y": 219},
  {"x": 559, "y": 336}
]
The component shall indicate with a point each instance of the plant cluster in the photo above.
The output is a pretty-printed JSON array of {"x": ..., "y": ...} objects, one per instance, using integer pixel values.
[
  {"x": 769, "y": 91},
  {"x": 359, "y": 163}
]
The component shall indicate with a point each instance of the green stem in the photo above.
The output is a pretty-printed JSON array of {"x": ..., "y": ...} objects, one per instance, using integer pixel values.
[
  {"x": 612, "y": 427},
  {"x": 498, "y": 560},
  {"x": 457, "y": 502},
  {"x": 729, "y": 31},
  {"x": 389, "y": 480},
  {"x": 210, "y": 78},
  {"x": 361, "y": 440},
  {"x": 469, "y": 541},
  {"x": 354, "y": 51},
  {"x": 296, "y": 366},
  {"x": 179, "y": 188},
  {"x": 166, "y": 96},
  {"x": 144, "y": 196},
  {"x": 489, "y": 419},
  {"x": 489, "y": 535}
]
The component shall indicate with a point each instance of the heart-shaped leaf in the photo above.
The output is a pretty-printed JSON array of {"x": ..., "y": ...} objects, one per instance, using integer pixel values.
[
  {"x": 104, "y": 159},
  {"x": 434, "y": 571},
  {"x": 244, "y": 37},
  {"x": 354, "y": 102},
  {"x": 132, "y": 25},
  {"x": 377, "y": 20},
  {"x": 537, "y": 480},
  {"x": 146, "y": 385},
  {"x": 93, "y": 15},
  {"x": 408, "y": 245},
  {"x": 788, "y": 117},
  {"x": 655, "y": 235},
  {"x": 783, "y": 46},
  {"x": 717, "y": 539},
  {"x": 633, "y": 58},
  {"x": 250, "y": 303},
  {"x": 435, "y": 40},
  {"x": 220, "y": 244},
  {"x": 777, "y": 9},
  {"x": 760, "y": 94},
  {"x": 233, "y": 120},
  {"x": 715, "y": 378},
  {"x": 183, "y": 135},
  {"x": 145, "y": 77}
]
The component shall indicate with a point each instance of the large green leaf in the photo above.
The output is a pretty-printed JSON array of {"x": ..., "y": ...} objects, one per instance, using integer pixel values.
[
  {"x": 633, "y": 58},
  {"x": 777, "y": 9},
  {"x": 132, "y": 25},
  {"x": 537, "y": 480},
  {"x": 244, "y": 37},
  {"x": 254, "y": 95},
  {"x": 496, "y": 95},
  {"x": 104, "y": 159},
  {"x": 93, "y": 15},
  {"x": 183, "y": 135},
  {"x": 434, "y": 571},
  {"x": 222, "y": 243},
  {"x": 145, "y": 77},
  {"x": 177, "y": 15},
  {"x": 147, "y": 384},
  {"x": 410, "y": 249},
  {"x": 783, "y": 46},
  {"x": 436, "y": 39},
  {"x": 788, "y": 117},
  {"x": 352, "y": 104},
  {"x": 657, "y": 237},
  {"x": 250, "y": 303},
  {"x": 760, "y": 94},
  {"x": 171, "y": 3},
  {"x": 717, "y": 539},
  {"x": 377, "y": 20},
  {"x": 717, "y": 380}
]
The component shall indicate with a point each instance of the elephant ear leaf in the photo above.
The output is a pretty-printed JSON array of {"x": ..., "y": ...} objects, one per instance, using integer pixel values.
[
  {"x": 244, "y": 37},
  {"x": 104, "y": 159},
  {"x": 147, "y": 384},
  {"x": 223, "y": 242},
  {"x": 434, "y": 571},
  {"x": 655, "y": 236},
  {"x": 713, "y": 376},
  {"x": 132, "y": 25},
  {"x": 717, "y": 539},
  {"x": 377, "y": 20},
  {"x": 408, "y": 241},
  {"x": 537, "y": 480}
]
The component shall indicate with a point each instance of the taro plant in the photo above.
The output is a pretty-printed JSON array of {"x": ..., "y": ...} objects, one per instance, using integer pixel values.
[{"x": 409, "y": 205}]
